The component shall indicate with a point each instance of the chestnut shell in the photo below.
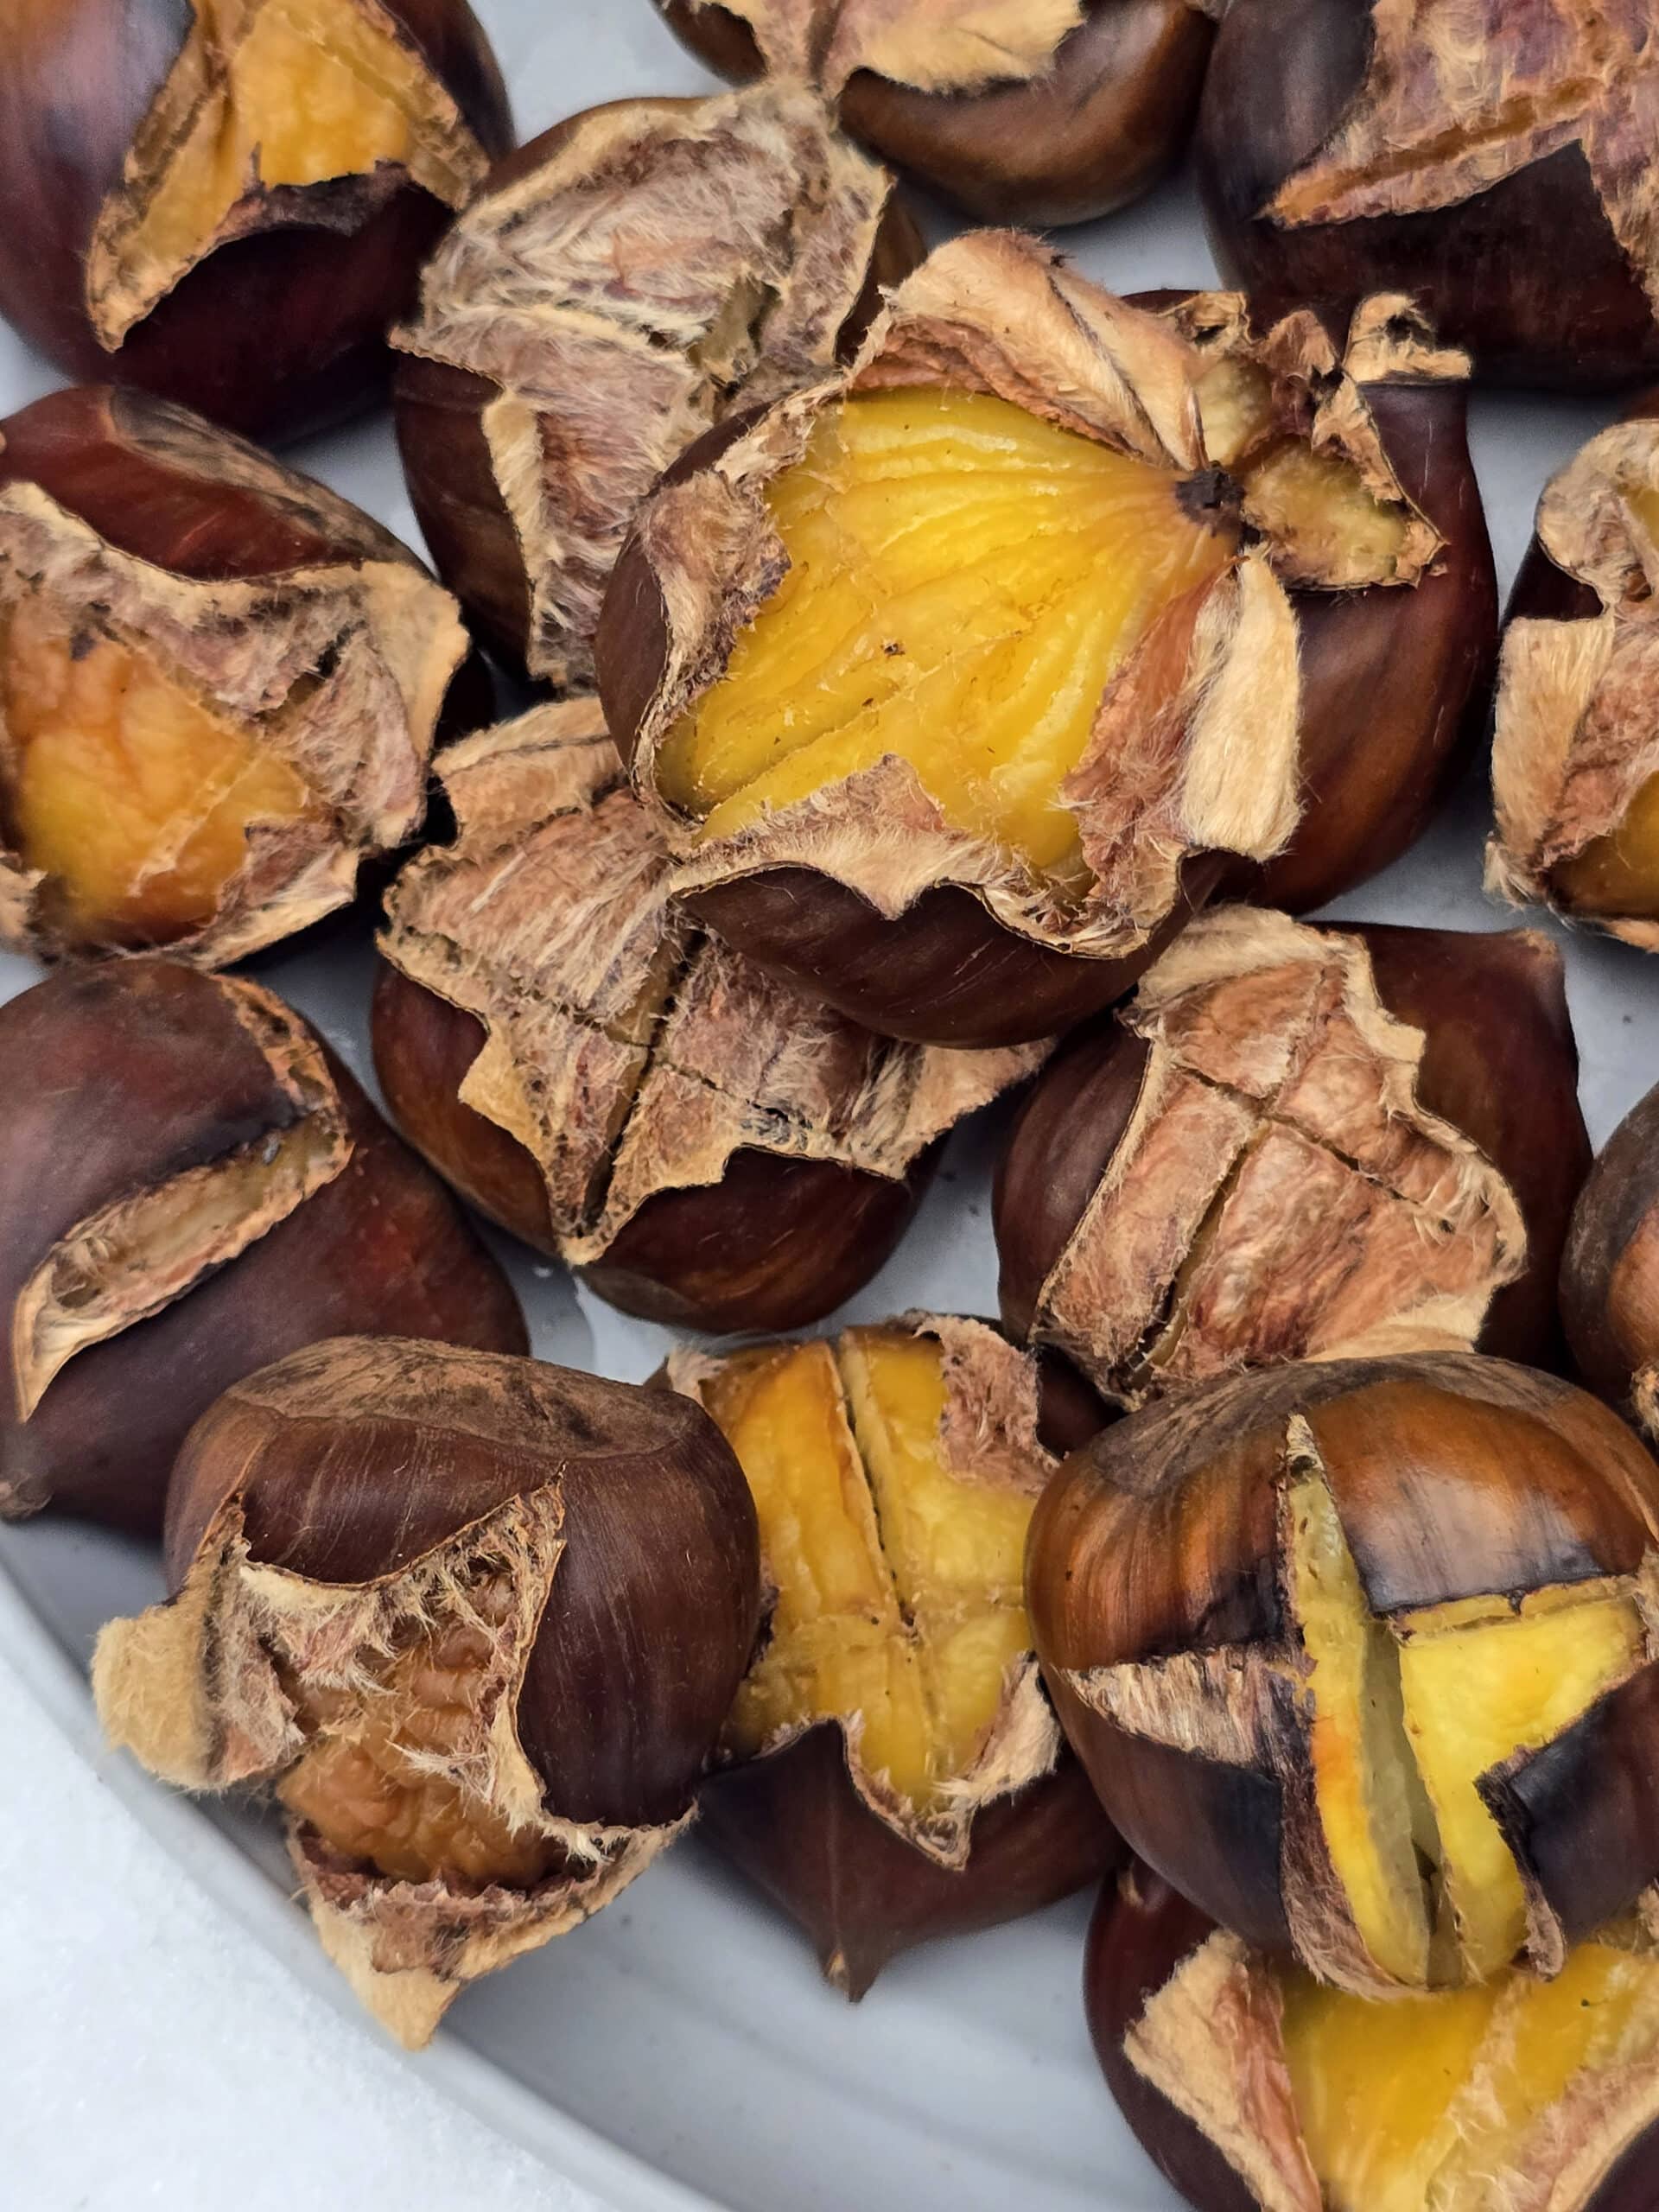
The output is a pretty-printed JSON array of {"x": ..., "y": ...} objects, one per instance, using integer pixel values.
[
  {"x": 137, "y": 1071},
  {"x": 1282, "y": 78},
  {"x": 278, "y": 334},
  {"x": 1610, "y": 1300}
]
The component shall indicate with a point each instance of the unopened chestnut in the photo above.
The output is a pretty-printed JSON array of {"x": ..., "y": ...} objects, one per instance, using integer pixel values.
[
  {"x": 219, "y": 685},
  {"x": 479, "y": 1621},
  {"x": 1054, "y": 112},
  {"x": 708, "y": 1147},
  {"x": 1362, "y": 1657},
  {"x": 1489, "y": 156},
  {"x": 191, "y": 1185},
  {"x": 1249, "y": 2084},
  {"x": 228, "y": 202},
  {"x": 634, "y": 275},
  {"x": 957, "y": 682},
  {"x": 1575, "y": 750},
  {"x": 895, "y": 1771},
  {"x": 1299, "y": 1143},
  {"x": 1609, "y": 1276}
]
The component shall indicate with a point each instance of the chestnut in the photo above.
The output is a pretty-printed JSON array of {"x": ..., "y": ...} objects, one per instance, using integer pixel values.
[
  {"x": 227, "y": 203},
  {"x": 1361, "y": 1656},
  {"x": 1039, "y": 114},
  {"x": 1610, "y": 1286},
  {"x": 708, "y": 1147},
  {"x": 1575, "y": 761},
  {"x": 191, "y": 1186},
  {"x": 895, "y": 1769},
  {"x": 1299, "y": 1143},
  {"x": 478, "y": 1620},
  {"x": 1250, "y": 2085},
  {"x": 1349, "y": 146},
  {"x": 219, "y": 685},
  {"x": 957, "y": 681},
  {"x": 636, "y": 274}
]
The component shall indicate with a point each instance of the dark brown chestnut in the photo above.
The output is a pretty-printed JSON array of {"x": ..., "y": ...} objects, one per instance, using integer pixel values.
[
  {"x": 219, "y": 685},
  {"x": 228, "y": 202},
  {"x": 1353, "y": 146},
  {"x": 1300, "y": 1143},
  {"x": 479, "y": 1621},
  {"x": 1087, "y": 602},
  {"x": 1248, "y": 2085},
  {"x": 1609, "y": 1276},
  {"x": 633, "y": 275},
  {"x": 1039, "y": 114},
  {"x": 1361, "y": 1656},
  {"x": 895, "y": 1770},
  {"x": 191, "y": 1186},
  {"x": 1575, "y": 763},
  {"x": 708, "y": 1147}
]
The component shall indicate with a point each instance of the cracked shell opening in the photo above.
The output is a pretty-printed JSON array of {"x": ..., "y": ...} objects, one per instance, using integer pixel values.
[
  {"x": 900, "y": 1609},
  {"x": 1410, "y": 1715},
  {"x": 130, "y": 797}
]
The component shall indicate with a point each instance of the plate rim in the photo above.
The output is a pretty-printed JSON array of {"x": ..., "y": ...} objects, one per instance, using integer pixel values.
[{"x": 572, "y": 2151}]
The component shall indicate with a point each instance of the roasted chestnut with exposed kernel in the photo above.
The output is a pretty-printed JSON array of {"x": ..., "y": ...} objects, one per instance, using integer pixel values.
[
  {"x": 1349, "y": 146},
  {"x": 1609, "y": 1276},
  {"x": 1249, "y": 2084},
  {"x": 228, "y": 202},
  {"x": 896, "y": 1771},
  {"x": 628, "y": 279},
  {"x": 708, "y": 1147},
  {"x": 191, "y": 1186},
  {"x": 1299, "y": 1143},
  {"x": 1575, "y": 748},
  {"x": 1364, "y": 1658},
  {"x": 1049, "y": 113},
  {"x": 957, "y": 682},
  {"x": 219, "y": 685},
  {"x": 478, "y": 1620}
]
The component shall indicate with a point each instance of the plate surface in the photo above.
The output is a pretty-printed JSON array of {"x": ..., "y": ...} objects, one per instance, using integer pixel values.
[{"x": 680, "y": 2050}]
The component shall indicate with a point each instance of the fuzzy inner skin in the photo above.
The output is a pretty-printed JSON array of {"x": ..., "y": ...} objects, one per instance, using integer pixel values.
[
  {"x": 899, "y": 1609},
  {"x": 1421, "y": 2102},
  {"x": 1617, "y": 875},
  {"x": 313, "y": 89},
  {"x": 1409, "y": 1713},
  {"x": 364, "y": 1784},
  {"x": 964, "y": 580},
  {"x": 132, "y": 798}
]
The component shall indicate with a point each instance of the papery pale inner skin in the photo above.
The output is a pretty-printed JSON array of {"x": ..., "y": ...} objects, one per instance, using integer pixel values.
[
  {"x": 963, "y": 580},
  {"x": 313, "y": 90},
  {"x": 367, "y": 1782},
  {"x": 132, "y": 798},
  {"x": 1409, "y": 1714},
  {"x": 900, "y": 1604},
  {"x": 1617, "y": 875},
  {"x": 1426, "y": 2101}
]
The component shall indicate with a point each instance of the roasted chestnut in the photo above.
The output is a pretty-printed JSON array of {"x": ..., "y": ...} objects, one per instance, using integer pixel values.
[
  {"x": 954, "y": 682},
  {"x": 228, "y": 202},
  {"x": 708, "y": 1147},
  {"x": 1051, "y": 113},
  {"x": 1349, "y": 146},
  {"x": 478, "y": 1620},
  {"x": 191, "y": 1186},
  {"x": 1575, "y": 750},
  {"x": 630, "y": 278},
  {"x": 1249, "y": 2084},
  {"x": 1299, "y": 1143},
  {"x": 1362, "y": 1656},
  {"x": 219, "y": 685},
  {"x": 896, "y": 1768},
  {"x": 1609, "y": 1276}
]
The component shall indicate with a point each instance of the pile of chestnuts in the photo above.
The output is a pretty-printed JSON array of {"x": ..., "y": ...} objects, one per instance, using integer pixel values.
[{"x": 953, "y": 688}]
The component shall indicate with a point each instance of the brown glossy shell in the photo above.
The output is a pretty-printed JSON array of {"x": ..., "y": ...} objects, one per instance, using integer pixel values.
[
  {"x": 281, "y": 330},
  {"x": 152, "y": 1086},
  {"x": 1610, "y": 1275}
]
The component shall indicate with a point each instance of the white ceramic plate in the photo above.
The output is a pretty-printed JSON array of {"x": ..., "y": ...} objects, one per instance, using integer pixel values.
[{"x": 680, "y": 2050}]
